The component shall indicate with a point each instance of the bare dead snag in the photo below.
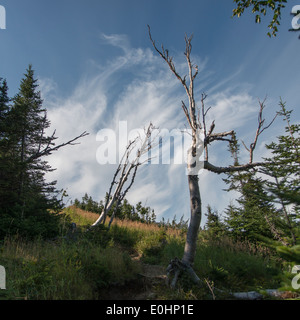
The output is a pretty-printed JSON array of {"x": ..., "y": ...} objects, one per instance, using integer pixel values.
[
  {"x": 193, "y": 154},
  {"x": 198, "y": 124},
  {"x": 126, "y": 172}
]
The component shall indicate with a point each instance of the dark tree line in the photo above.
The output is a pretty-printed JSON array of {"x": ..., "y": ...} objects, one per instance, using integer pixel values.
[
  {"x": 28, "y": 203},
  {"x": 127, "y": 211},
  {"x": 124, "y": 211}
]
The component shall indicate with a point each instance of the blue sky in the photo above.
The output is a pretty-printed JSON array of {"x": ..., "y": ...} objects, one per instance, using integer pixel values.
[{"x": 96, "y": 67}]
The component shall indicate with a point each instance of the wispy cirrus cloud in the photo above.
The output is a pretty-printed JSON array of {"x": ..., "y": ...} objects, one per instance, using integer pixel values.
[{"x": 134, "y": 86}]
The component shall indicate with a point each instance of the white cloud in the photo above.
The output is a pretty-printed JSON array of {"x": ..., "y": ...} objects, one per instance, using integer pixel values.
[
  {"x": 231, "y": 111},
  {"x": 117, "y": 40},
  {"x": 138, "y": 88},
  {"x": 46, "y": 86}
]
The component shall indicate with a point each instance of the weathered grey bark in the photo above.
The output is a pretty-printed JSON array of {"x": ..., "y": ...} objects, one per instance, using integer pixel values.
[{"x": 196, "y": 214}]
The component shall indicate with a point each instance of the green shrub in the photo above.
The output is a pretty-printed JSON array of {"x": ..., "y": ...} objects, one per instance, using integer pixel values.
[
  {"x": 63, "y": 270},
  {"x": 99, "y": 235},
  {"x": 45, "y": 225}
]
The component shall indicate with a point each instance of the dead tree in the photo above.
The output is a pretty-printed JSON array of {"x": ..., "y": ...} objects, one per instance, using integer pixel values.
[
  {"x": 126, "y": 171},
  {"x": 198, "y": 125}
]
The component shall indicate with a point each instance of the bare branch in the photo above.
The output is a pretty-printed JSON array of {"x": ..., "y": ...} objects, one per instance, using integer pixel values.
[
  {"x": 165, "y": 55},
  {"x": 260, "y": 129},
  {"x": 48, "y": 150},
  {"x": 207, "y": 111},
  {"x": 189, "y": 90},
  {"x": 109, "y": 193},
  {"x": 222, "y": 139},
  {"x": 204, "y": 125},
  {"x": 185, "y": 110},
  {"x": 211, "y": 129},
  {"x": 245, "y": 146},
  {"x": 218, "y": 136},
  {"x": 131, "y": 183},
  {"x": 228, "y": 169},
  {"x": 125, "y": 170}
]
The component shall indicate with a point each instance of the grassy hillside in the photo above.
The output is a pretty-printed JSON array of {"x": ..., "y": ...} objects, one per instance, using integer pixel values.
[{"x": 129, "y": 262}]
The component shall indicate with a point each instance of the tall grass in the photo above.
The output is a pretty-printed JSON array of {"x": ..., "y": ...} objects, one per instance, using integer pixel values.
[
  {"x": 98, "y": 260},
  {"x": 229, "y": 265},
  {"x": 49, "y": 271}
]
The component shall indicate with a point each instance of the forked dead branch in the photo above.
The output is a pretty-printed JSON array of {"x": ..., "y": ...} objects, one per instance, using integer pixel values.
[{"x": 126, "y": 172}]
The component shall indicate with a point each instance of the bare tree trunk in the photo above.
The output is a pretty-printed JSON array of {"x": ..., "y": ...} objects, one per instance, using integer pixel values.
[
  {"x": 196, "y": 214},
  {"x": 103, "y": 214}
]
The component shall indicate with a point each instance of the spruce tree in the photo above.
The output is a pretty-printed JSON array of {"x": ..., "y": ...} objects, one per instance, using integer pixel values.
[
  {"x": 283, "y": 172},
  {"x": 4, "y": 107},
  {"x": 214, "y": 225},
  {"x": 255, "y": 211},
  {"x": 26, "y": 197},
  {"x": 28, "y": 203},
  {"x": 274, "y": 197},
  {"x": 30, "y": 124},
  {"x": 6, "y": 163}
]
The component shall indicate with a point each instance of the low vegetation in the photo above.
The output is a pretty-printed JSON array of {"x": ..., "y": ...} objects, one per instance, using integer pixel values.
[{"x": 89, "y": 265}]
